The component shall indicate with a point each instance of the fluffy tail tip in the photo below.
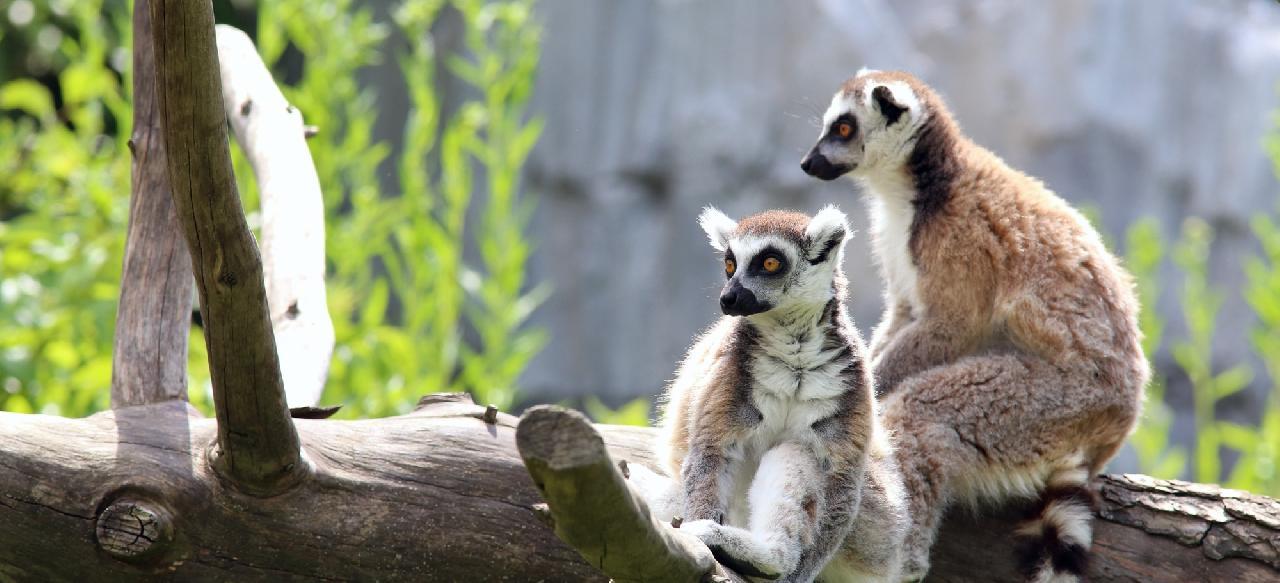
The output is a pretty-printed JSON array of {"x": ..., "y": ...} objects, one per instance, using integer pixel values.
[{"x": 1055, "y": 541}]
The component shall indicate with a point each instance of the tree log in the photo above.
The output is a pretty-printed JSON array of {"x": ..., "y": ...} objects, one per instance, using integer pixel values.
[
  {"x": 440, "y": 495},
  {"x": 149, "y": 363},
  {"x": 257, "y": 446},
  {"x": 274, "y": 139}
]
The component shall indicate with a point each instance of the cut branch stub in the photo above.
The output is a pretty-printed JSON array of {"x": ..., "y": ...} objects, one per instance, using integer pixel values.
[
  {"x": 258, "y": 450},
  {"x": 594, "y": 510},
  {"x": 134, "y": 530}
]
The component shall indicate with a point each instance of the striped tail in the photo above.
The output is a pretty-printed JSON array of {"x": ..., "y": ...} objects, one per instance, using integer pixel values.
[{"x": 1055, "y": 541}]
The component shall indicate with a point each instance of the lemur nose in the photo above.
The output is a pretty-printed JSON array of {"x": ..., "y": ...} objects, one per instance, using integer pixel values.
[
  {"x": 815, "y": 164},
  {"x": 728, "y": 299}
]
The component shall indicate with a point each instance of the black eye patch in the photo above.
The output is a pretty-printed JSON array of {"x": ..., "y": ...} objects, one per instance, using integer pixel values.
[
  {"x": 837, "y": 134},
  {"x": 728, "y": 256},
  {"x": 758, "y": 267}
]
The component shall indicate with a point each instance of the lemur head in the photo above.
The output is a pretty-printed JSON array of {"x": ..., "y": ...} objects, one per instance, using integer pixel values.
[
  {"x": 778, "y": 259},
  {"x": 871, "y": 124}
]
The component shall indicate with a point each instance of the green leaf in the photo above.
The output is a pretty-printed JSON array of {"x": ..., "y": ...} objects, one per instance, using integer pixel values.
[
  {"x": 1232, "y": 381},
  {"x": 1238, "y": 437},
  {"x": 28, "y": 96}
]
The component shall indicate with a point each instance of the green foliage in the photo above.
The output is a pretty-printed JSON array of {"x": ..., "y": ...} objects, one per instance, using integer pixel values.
[
  {"x": 503, "y": 57},
  {"x": 401, "y": 293},
  {"x": 635, "y": 412},
  {"x": 1256, "y": 470},
  {"x": 1144, "y": 255},
  {"x": 1200, "y": 306},
  {"x": 1200, "y": 302},
  {"x": 63, "y": 208}
]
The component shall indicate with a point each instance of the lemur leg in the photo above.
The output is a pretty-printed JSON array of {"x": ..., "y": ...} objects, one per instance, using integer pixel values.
[
  {"x": 993, "y": 427},
  {"x": 786, "y": 500}
]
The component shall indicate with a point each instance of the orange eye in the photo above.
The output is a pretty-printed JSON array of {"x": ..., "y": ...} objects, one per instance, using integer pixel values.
[
  {"x": 844, "y": 129},
  {"x": 771, "y": 264},
  {"x": 730, "y": 266}
]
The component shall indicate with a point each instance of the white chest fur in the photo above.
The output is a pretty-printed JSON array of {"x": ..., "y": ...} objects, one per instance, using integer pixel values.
[
  {"x": 795, "y": 383},
  {"x": 891, "y": 216}
]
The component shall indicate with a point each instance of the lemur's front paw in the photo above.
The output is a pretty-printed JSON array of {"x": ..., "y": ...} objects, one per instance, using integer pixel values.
[
  {"x": 733, "y": 548},
  {"x": 708, "y": 531}
]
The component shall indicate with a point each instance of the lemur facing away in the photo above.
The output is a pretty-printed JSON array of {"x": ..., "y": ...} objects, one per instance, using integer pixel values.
[
  {"x": 1008, "y": 358},
  {"x": 771, "y": 424}
]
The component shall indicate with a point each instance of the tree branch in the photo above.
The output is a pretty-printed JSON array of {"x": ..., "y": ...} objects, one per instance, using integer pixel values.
[
  {"x": 273, "y": 137},
  {"x": 594, "y": 510},
  {"x": 149, "y": 363},
  {"x": 257, "y": 446}
]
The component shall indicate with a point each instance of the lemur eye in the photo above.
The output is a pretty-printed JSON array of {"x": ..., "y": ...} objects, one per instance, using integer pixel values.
[
  {"x": 730, "y": 266},
  {"x": 771, "y": 264},
  {"x": 844, "y": 129}
]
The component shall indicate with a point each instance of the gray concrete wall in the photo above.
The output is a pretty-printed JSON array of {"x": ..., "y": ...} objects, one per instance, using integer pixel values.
[{"x": 656, "y": 108}]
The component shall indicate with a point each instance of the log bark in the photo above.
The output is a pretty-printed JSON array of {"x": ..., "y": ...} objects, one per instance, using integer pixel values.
[
  {"x": 257, "y": 447},
  {"x": 149, "y": 363},
  {"x": 440, "y": 495},
  {"x": 273, "y": 137}
]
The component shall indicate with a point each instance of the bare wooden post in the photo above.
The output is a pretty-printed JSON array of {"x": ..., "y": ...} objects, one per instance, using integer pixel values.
[
  {"x": 149, "y": 363},
  {"x": 257, "y": 446}
]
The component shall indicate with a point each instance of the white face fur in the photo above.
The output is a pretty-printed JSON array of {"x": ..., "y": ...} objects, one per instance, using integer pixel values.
[
  {"x": 866, "y": 130},
  {"x": 767, "y": 271}
]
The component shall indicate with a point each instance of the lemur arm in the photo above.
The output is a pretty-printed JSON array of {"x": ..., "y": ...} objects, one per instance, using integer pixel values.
[
  {"x": 925, "y": 343},
  {"x": 704, "y": 477}
]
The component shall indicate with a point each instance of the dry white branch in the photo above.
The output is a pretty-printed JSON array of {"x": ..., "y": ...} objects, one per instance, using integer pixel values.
[{"x": 273, "y": 136}]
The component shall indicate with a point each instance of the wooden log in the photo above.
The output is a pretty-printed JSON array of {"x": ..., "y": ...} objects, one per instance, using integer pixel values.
[
  {"x": 149, "y": 363},
  {"x": 440, "y": 495},
  {"x": 257, "y": 447},
  {"x": 273, "y": 136}
]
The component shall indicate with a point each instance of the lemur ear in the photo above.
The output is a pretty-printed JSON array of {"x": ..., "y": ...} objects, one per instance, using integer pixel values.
[
  {"x": 825, "y": 234},
  {"x": 890, "y": 107},
  {"x": 719, "y": 228}
]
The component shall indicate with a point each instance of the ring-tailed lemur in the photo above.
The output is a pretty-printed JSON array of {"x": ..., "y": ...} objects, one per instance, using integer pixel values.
[
  {"x": 1009, "y": 358},
  {"x": 771, "y": 423}
]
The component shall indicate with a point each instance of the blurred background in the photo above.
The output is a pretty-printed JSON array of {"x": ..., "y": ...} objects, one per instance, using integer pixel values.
[{"x": 512, "y": 185}]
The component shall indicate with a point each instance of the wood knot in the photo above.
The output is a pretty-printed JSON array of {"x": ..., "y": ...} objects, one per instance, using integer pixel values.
[
  {"x": 246, "y": 107},
  {"x": 626, "y": 470},
  {"x": 543, "y": 512},
  {"x": 132, "y": 530},
  {"x": 292, "y": 312},
  {"x": 227, "y": 278}
]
